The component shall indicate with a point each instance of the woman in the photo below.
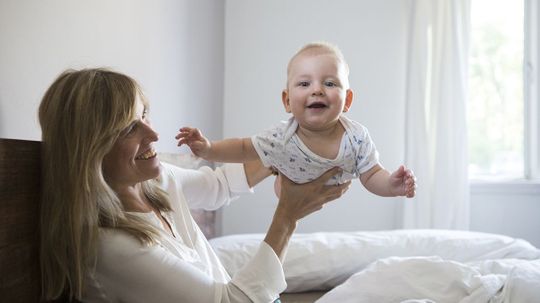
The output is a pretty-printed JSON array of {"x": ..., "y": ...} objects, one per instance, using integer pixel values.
[{"x": 115, "y": 221}]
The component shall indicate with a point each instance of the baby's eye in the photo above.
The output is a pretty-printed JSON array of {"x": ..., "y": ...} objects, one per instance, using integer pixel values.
[
  {"x": 303, "y": 83},
  {"x": 330, "y": 84}
]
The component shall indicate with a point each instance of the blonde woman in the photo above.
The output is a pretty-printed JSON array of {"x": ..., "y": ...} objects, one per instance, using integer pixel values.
[{"x": 115, "y": 222}]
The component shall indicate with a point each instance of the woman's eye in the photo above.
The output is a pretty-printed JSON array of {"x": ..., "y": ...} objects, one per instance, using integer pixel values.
[
  {"x": 144, "y": 114},
  {"x": 131, "y": 129}
]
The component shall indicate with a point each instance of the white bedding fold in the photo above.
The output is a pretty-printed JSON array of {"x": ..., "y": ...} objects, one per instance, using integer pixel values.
[{"x": 432, "y": 279}]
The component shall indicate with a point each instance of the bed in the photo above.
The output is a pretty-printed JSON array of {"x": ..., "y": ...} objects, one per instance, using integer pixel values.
[
  {"x": 364, "y": 266},
  {"x": 399, "y": 266}
]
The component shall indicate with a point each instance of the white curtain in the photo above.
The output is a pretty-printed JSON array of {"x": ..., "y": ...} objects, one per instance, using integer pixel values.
[{"x": 436, "y": 131}]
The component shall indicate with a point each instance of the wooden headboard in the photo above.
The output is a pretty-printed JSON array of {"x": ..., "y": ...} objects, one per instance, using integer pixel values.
[
  {"x": 19, "y": 217},
  {"x": 20, "y": 171}
]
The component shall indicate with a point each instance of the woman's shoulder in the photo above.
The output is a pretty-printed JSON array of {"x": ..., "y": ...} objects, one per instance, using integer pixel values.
[
  {"x": 169, "y": 170},
  {"x": 174, "y": 171},
  {"x": 114, "y": 243},
  {"x": 171, "y": 174},
  {"x": 117, "y": 250}
]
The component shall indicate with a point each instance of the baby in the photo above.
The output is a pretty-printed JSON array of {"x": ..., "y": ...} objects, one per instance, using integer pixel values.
[{"x": 318, "y": 136}]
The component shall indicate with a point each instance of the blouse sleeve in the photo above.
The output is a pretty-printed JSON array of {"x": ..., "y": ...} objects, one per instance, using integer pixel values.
[
  {"x": 206, "y": 188},
  {"x": 130, "y": 272}
]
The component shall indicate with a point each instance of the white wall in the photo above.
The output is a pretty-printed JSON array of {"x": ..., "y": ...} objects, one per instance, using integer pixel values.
[
  {"x": 510, "y": 209},
  {"x": 261, "y": 36},
  {"x": 174, "y": 49}
]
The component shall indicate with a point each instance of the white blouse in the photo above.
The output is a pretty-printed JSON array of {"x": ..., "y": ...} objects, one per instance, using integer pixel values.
[{"x": 183, "y": 267}]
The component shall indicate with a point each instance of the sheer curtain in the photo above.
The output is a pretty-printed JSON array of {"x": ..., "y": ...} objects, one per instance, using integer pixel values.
[{"x": 436, "y": 131}]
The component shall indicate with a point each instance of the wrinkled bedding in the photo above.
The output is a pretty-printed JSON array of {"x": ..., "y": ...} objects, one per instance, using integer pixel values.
[
  {"x": 432, "y": 279},
  {"x": 401, "y": 265}
]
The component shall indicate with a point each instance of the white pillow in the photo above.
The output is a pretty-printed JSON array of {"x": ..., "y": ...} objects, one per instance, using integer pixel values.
[{"x": 321, "y": 261}]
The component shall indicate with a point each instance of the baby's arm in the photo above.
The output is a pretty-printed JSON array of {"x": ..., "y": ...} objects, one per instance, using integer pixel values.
[
  {"x": 234, "y": 150},
  {"x": 379, "y": 181}
]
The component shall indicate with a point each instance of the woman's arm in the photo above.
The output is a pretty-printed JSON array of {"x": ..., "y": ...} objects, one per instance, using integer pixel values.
[
  {"x": 297, "y": 201},
  {"x": 131, "y": 272},
  {"x": 206, "y": 188}
]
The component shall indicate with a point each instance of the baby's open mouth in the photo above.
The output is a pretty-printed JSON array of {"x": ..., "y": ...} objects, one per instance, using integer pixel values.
[
  {"x": 149, "y": 154},
  {"x": 317, "y": 105}
]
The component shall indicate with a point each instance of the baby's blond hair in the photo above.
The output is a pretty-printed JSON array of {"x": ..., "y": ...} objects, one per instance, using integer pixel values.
[{"x": 319, "y": 48}]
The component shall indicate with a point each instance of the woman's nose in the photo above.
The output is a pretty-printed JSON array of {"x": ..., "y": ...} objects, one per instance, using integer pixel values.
[{"x": 150, "y": 134}]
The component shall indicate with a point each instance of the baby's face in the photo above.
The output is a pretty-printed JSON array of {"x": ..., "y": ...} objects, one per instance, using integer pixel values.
[{"x": 317, "y": 90}]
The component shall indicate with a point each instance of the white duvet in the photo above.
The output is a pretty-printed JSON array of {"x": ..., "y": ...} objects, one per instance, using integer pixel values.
[
  {"x": 402, "y": 265},
  {"x": 432, "y": 279}
]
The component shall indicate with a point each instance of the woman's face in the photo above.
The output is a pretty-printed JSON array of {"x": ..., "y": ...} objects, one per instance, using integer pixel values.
[{"x": 133, "y": 159}]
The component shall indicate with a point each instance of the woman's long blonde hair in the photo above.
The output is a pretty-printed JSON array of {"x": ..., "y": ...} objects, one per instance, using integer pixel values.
[{"x": 81, "y": 117}]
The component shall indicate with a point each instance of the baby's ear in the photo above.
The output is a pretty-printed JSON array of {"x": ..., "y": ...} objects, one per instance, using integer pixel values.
[
  {"x": 348, "y": 100},
  {"x": 285, "y": 100}
]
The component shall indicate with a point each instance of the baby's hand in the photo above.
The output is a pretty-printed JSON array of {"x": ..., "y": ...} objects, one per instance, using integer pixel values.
[
  {"x": 192, "y": 137},
  {"x": 403, "y": 182}
]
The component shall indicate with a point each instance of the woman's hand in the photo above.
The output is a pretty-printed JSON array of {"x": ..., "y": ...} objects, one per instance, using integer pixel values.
[
  {"x": 296, "y": 201},
  {"x": 299, "y": 200}
]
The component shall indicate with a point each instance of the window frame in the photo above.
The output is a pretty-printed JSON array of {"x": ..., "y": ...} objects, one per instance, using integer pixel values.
[{"x": 531, "y": 77}]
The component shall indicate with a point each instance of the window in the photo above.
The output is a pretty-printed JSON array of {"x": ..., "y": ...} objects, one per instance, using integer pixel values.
[{"x": 502, "y": 113}]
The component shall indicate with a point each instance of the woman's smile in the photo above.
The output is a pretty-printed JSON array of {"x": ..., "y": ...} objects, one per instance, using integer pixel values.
[{"x": 149, "y": 154}]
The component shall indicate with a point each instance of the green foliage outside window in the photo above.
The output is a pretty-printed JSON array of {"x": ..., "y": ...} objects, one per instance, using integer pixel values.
[{"x": 495, "y": 108}]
